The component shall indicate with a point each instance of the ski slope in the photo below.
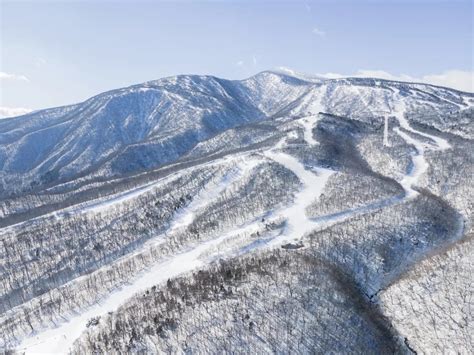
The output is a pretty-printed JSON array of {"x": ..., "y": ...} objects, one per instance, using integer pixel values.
[
  {"x": 308, "y": 124},
  {"x": 104, "y": 203},
  {"x": 61, "y": 338},
  {"x": 419, "y": 163}
]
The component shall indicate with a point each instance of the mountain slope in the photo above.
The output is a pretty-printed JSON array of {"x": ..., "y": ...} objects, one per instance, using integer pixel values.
[
  {"x": 129, "y": 129},
  {"x": 145, "y": 126}
]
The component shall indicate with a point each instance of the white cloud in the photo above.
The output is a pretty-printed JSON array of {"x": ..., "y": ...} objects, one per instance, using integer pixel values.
[
  {"x": 245, "y": 64},
  {"x": 39, "y": 62},
  {"x": 8, "y": 76},
  {"x": 13, "y": 111},
  {"x": 318, "y": 32},
  {"x": 456, "y": 79}
]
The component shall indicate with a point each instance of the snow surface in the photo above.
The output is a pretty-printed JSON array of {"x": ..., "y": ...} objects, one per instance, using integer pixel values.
[
  {"x": 419, "y": 163},
  {"x": 308, "y": 124},
  {"x": 297, "y": 222},
  {"x": 186, "y": 215},
  {"x": 400, "y": 110},
  {"x": 385, "y": 132}
]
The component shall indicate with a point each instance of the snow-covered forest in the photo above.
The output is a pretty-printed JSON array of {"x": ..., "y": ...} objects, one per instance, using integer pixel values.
[{"x": 269, "y": 215}]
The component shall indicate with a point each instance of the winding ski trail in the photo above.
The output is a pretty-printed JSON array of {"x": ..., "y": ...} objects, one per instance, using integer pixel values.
[
  {"x": 298, "y": 224},
  {"x": 313, "y": 182},
  {"x": 419, "y": 163}
]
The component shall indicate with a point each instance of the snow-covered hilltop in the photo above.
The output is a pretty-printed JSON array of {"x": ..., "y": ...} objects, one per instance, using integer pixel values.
[{"x": 281, "y": 213}]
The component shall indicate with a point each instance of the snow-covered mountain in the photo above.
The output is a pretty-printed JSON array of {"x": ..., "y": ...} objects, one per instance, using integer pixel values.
[
  {"x": 148, "y": 125},
  {"x": 283, "y": 213}
]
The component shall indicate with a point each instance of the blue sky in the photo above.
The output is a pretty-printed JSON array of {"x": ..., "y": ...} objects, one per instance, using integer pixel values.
[{"x": 61, "y": 52}]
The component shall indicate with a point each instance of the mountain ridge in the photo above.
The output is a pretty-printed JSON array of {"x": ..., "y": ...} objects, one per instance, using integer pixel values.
[
  {"x": 271, "y": 71},
  {"x": 158, "y": 121}
]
